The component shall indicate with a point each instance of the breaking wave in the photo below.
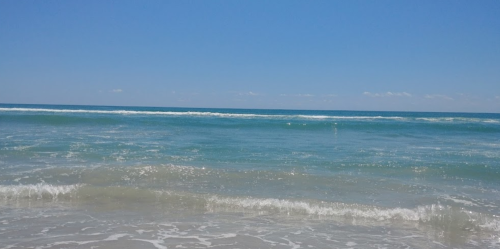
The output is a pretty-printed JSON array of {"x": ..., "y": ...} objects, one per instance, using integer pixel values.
[
  {"x": 446, "y": 119},
  {"x": 37, "y": 191},
  {"x": 194, "y": 113},
  {"x": 435, "y": 215}
]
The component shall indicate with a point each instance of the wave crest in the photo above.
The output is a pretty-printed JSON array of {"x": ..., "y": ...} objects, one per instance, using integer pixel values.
[
  {"x": 37, "y": 191},
  {"x": 435, "y": 215}
]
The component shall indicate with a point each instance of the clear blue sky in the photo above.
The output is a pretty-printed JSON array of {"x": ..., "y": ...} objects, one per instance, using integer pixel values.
[{"x": 406, "y": 55}]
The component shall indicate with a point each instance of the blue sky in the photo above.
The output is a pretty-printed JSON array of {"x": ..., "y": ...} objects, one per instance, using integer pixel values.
[{"x": 337, "y": 55}]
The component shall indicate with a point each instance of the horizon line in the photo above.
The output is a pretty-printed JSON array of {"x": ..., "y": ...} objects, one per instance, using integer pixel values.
[{"x": 239, "y": 108}]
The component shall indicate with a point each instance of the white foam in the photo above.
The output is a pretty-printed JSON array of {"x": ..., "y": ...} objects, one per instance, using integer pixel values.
[
  {"x": 196, "y": 113},
  {"x": 9, "y": 192},
  {"x": 249, "y": 115},
  {"x": 21, "y": 148},
  {"x": 110, "y": 238},
  {"x": 458, "y": 119},
  {"x": 492, "y": 121},
  {"x": 436, "y": 119},
  {"x": 155, "y": 243},
  {"x": 456, "y": 200},
  {"x": 427, "y": 213},
  {"x": 115, "y": 236},
  {"x": 323, "y": 209}
]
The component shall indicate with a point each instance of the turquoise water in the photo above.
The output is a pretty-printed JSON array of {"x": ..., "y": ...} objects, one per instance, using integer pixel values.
[{"x": 143, "y": 177}]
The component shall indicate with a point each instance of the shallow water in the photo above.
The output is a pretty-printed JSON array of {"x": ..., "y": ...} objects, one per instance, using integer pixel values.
[{"x": 115, "y": 177}]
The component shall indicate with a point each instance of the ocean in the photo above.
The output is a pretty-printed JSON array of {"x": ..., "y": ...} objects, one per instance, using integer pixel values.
[{"x": 146, "y": 177}]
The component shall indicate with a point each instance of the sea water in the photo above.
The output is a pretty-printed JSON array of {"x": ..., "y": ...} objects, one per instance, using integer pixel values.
[{"x": 141, "y": 177}]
